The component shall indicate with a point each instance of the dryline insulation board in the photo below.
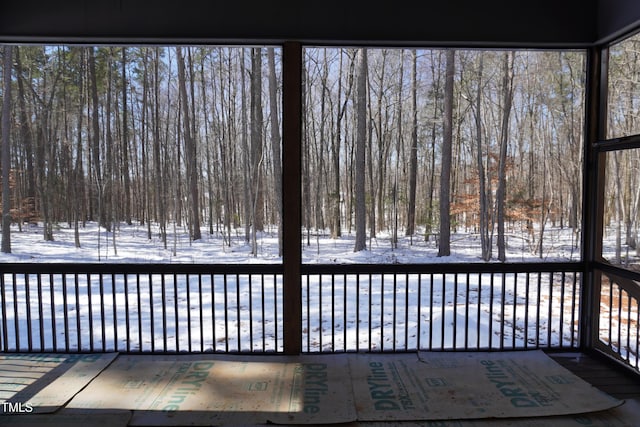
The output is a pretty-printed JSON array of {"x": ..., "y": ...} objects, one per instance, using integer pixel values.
[
  {"x": 43, "y": 383},
  {"x": 458, "y": 385},
  {"x": 65, "y": 418},
  {"x": 218, "y": 390},
  {"x": 625, "y": 415}
]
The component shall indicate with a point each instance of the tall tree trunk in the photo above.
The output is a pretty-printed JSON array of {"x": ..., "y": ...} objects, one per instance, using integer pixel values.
[
  {"x": 361, "y": 142},
  {"x": 213, "y": 195},
  {"x": 95, "y": 135},
  {"x": 109, "y": 190},
  {"x": 507, "y": 94},
  {"x": 257, "y": 193},
  {"x": 225, "y": 157},
  {"x": 378, "y": 181},
  {"x": 437, "y": 73},
  {"x": 275, "y": 141},
  {"x": 306, "y": 179},
  {"x": 413, "y": 155},
  {"x": 319, "y": 147},
  {"x": 485, "y": 237},
  {"x": 26, "y": 135},
  {"x": 160, "y": 199},
  {"x": 336, "y": 146},
  {"x": 6, "y": 149},
  {"x": 125, "y": 141},
  {"x": 78, "y": 180},
  {"x": 190, "y": 152},
  {"x": 144, "y": 141},
  {"x": 246, "y": 154},
  {"x": 444, "y": 247},
  {"x": 399, "y": 154}
]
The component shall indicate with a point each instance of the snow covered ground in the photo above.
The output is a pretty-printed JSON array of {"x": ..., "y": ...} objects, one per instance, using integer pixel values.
[
  {"x": 132, "y": 246},
  {"x": 243, "y": 312}
]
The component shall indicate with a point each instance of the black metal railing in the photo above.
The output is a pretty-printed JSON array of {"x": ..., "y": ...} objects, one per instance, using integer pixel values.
[
  {"x": 239, "y": 308},
  {"x": 138, "y": 308},
  {"x": 618, "y": 330},
  {"x": 440, "y": 307}
]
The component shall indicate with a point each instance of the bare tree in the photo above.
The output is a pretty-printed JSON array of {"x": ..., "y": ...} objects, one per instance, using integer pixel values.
[
  {"x": 95, "y": 135},
  {"x": 190, "y": 151},
  {"x": 485, "y": 236},
  {"x": 444, "y": 247},
  {"x": 361, "y": 142},
  {"x": 124, "y": 153},
  {"x": 275, "y": 141},
  {"x": 413, "y": 154},
  {"x": 507, "y": 88},
  {"x": 257, "y": 159},
  {"x": 6, "y": 149}
]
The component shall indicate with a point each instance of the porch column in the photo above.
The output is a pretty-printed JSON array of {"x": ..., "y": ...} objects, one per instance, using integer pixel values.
[
  {"x": 593, "y": 191},
  {"x": 291, "y": 195}
]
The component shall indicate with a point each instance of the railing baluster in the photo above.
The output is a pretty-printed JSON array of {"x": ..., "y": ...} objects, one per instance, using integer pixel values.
[
  {"x": 357, "y": 309},
  {"x": 455, "y": 312},
  {"x": 139, "y": 308},
  {"x": 127, "y": 312},
  {"x": 16, "y": 318},
  {"x": 345, "y": 313},
  {"x": 395, "y": 311},
  {"x": 308, "y": 299},
  {"x": 65, "y": 308},
  {"x": 619, "y": 317},
  {"x": 491, "y": 297},
  {"x": 514, "y": 318},
  {"x": 176, "y": 312},
  {"x": 76, "y": 281},
  {"x": 443, "y": 312},
  {"x": 238, "y": 319},
  {"x": 430, "y": 311},
  {"x": 406, "y": 311},
  {"x": 187, "y": 279},
  {"x": 320, "y": 315},
  {"x": 628, "y": 324},
  {"x": 479, "y": 312},
  {"x": 527, "y": 287},
  {"x": 163, "y": 283},
  {"x": 550, "y": 313},
  {"x": 637, "y": 343},
  {"x": 573, "y": 311},
  {"x": 333, "y": 313},
  {"x": 466, "y": 312},
  {"x": 250, "y": 313},
  {"x": 419, "y": 314},
  {"x": 562, "y": 304},
  {"x": 28, "y": 312},
  {"x": 3, "y": 312},
  {"x": 152, "y": 319}
]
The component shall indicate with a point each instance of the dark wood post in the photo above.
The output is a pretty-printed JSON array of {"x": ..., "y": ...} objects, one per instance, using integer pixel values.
[
  {"x": 593, "y": 191},
  {"x": 291, "y": 195}
]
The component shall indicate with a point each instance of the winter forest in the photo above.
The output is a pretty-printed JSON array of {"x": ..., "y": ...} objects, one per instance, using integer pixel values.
[{"x": 163, "y": 154}]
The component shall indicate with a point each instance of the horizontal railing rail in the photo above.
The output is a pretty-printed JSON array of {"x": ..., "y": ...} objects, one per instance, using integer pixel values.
[{"x": 168, "y": 308}]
